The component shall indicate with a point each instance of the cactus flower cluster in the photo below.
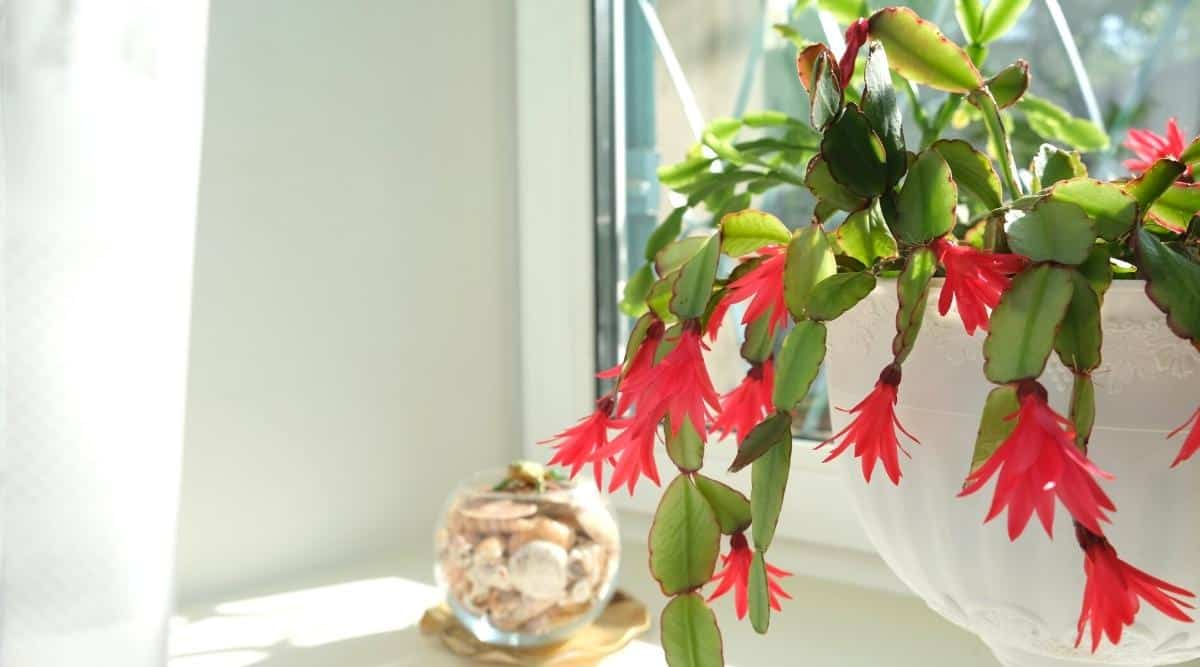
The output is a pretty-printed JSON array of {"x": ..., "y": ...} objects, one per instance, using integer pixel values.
[{"x": 1025, "y": 256}]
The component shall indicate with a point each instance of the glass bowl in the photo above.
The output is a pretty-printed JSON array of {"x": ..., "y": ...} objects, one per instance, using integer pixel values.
[{"x": 526, "y": 557}]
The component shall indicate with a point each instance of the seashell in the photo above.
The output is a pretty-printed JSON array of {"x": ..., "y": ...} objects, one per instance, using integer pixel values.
[
  {"x": 601, "y": 527},
  {"x": 497, "y": 516},
  {"x": 455, "y": 523},
  {"x": 539, "y": 570},
  {"x": 558, "y": 503},
  {"x": 580, "y": 592},
  {"x": 546, "y": 530},
  {"x": 527, "y": 473},
  {"x": 585, "y": 562},
  {"x": 490, "y": 550},
  {"x": 540, "y": 624},
  {"x": 475, "y": 599},
  {"x": 558, "y": 497},
  {"x": 490, "y": 575},
  {"x": 520, "y": 526},
  {"x": 507, "y": 611},
  {"x": 458, "y": 552}
]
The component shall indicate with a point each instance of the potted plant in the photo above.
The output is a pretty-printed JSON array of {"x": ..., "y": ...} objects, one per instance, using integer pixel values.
[{"x": 1038, "y": 268}]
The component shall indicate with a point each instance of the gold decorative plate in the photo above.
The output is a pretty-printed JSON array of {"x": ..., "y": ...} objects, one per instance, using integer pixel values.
[{"x": 621, "y": 621}]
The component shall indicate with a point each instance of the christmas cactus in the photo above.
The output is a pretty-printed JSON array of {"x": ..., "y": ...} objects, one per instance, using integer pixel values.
[{"x": 1025, "y": 258}]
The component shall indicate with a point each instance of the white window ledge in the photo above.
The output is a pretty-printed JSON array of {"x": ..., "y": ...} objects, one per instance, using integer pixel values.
[{"x": 366, "y": 615}]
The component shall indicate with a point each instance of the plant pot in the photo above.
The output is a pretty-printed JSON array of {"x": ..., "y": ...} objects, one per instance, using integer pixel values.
[
  {"x": 101, "y": 151},
  {"x": 1023, "y": 598}
]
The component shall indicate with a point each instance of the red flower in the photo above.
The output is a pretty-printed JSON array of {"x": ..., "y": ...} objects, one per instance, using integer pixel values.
[
  {"x": 588, "y": 441},
  {"x": 873, "y": 431},
  {"x": 637, "y": 376},
  {"x": 763, "y": 285},
  {"x": 678, "y": 387},
  {"x": 975, "y": 279},
  {"x": 716, "y": 318},
  {"x": 749, "y": 402},
  {"x": 578, "y": 444},
  {"x": 856, "y": 36},
  {"x": 1192, "y": 444},
  {"x": 611, "y": 373},
  {"x": 1149, "y": 146},
  {"x": 1038, "y": 462},
  {"x": 736, "y": 575},
  {"x": 634, "y": 451},
  {"x": 1111, "y": 596}
]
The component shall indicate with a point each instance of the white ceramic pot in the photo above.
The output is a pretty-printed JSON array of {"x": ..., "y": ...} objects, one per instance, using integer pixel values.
[
  {"x": 1023, "y": 598},
  {"x": 100, "y": 108}
]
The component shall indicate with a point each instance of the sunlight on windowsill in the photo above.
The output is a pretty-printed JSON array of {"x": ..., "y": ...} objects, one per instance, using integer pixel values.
[
  {"x": 240, "y": 633},
  {"x": 360, "y": 622}
]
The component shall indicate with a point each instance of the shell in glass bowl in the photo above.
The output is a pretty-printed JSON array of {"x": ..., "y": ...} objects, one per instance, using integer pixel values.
[{"x": 526, "y": 557}]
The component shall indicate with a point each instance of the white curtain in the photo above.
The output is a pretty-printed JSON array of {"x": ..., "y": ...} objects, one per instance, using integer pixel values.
[{"x": 100, "y": 120}]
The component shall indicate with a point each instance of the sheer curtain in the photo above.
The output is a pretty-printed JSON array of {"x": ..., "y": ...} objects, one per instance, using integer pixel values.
[{"x": 100, "y": 120}]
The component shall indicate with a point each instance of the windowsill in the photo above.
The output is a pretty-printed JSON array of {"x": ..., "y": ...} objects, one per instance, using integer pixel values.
[{"x": 366, "y": 615}]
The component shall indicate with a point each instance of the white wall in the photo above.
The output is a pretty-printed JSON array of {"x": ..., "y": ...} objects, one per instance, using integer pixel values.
[{"x": 353, "y": 345}]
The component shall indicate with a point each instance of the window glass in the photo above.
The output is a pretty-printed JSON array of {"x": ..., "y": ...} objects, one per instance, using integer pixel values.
[{"x": 685, "y": 63}]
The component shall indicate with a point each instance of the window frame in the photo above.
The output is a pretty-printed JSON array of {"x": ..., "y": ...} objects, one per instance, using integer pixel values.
[{"x": 554, "y": 253}]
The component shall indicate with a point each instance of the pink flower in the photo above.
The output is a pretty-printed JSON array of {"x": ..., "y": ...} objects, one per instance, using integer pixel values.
[
  {"x": 1114, "y": 588},
  {"x": 578, "y": 444},
  {"x": 748, "y": 403},
  {"x": 633, "y": 449},
  {"x": 1038, "y": 462},
  {"x": 975, "y": 280},
  {"x": 856, "y": 36},
  {"x": 873, "y": 431},
  {"x": 1192, "y": 444},
  {"x": 763, "y": 286},
  {"x": 1150, "y": 146},
  {"x": 736, "y": 575}
]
